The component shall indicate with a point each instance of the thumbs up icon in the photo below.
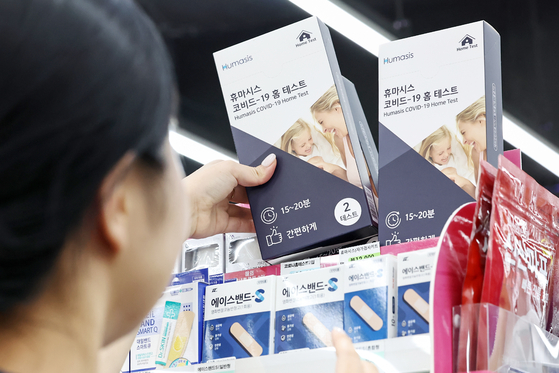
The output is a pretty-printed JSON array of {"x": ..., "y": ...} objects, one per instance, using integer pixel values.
[{"x": 274, "y": 238}]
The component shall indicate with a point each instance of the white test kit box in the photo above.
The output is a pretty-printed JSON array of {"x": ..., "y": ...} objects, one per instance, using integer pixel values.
[
  {"x": 239, "y": 319},
  {"x": 284, "y": 94},
  {"x": 242, "y": 252},
  {"x": 205, "y": 253},
  {"x": 171, "y": 334},
  {"x": 308, "y": 306},
  {"x": 440, "y": 107},
  {"x": 370, "y": 301},
  {"x": 415, "y": 269}
]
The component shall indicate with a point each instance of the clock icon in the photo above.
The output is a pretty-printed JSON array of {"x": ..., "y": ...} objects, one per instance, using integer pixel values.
[
  {"x": 393, "y": 220},
  {"x": 268, "y": 215}
]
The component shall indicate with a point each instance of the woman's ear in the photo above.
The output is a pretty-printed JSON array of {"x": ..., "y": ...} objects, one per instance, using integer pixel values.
[{"x": 114, "y": 199}]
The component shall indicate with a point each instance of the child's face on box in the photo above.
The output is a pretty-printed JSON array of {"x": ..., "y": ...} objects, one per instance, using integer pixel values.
[
  {"x": 303, "y": 144},
  {"x": 440, "y": 153},
  {"x": 332, "y": 121}
]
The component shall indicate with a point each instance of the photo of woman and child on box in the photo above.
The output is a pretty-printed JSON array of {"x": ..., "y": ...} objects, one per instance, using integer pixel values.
[
  {"x": 322, "y": 140},
  {"x": 456, "y": 152}
]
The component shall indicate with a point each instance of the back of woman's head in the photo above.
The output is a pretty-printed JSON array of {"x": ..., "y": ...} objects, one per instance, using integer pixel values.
[{"x": 82, "y": 82}]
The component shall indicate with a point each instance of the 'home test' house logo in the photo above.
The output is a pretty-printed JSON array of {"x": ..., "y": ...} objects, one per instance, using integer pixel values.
[
  {"x": 467, "y": 42},
  {"x": 402, "y": 57},
  {"x": 304, "y": 38},
  {"x": 229, "y": 66}
]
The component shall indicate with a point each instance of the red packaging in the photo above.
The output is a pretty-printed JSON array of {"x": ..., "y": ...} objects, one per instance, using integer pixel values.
[
  {"x": 475, "y": 269},
  {"x": 477, "y": 252},
  {"x": 522, "y": 245}
]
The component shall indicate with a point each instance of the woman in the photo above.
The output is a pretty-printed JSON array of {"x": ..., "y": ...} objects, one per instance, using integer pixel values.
[
  {"x": 92, "y": 207},
  {"x": 327, "y": 112},
  {"x": 471, "y": 125}
]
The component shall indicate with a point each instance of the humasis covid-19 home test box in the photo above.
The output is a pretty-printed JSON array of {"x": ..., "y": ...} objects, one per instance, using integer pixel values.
[
  {"x": 284, "y": 94},
  {"x": 440, "y": 110}
]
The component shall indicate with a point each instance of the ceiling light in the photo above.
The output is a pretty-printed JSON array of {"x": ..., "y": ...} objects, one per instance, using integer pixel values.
[
  {"x": 370, "y": 36},
  {"x": 194, "y": 148}
]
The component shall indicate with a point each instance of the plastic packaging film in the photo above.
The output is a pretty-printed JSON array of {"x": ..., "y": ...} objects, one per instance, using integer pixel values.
[
  {"x": 202, "y": 257},
  {"x": 244, "y": 250}
]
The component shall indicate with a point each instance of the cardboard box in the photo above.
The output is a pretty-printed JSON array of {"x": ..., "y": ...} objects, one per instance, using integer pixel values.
[
  {"x": 205, "y": 253},
  {"x": 308, "y": 305},
  {"x": 239, "y": 319},
  {"x": 171, "y": 333},
  {"x": 440, "y": 106},
  {"x": 278, "y": 88},
  {"x": 370, "y": 301},
  {"x": 415, "y": 270}
]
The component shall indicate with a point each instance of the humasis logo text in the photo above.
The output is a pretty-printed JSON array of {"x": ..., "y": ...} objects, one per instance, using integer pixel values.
[
  {"x": 231, "y": 65},
  {"x": 398, "y": 58}
]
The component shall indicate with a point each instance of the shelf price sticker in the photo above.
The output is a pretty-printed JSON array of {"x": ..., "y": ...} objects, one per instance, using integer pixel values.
[
  {"x": 226, "y": 365},
  {"x": 376, "y": 347}
]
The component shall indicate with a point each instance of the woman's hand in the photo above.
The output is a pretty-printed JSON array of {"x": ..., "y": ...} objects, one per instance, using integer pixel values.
[
  {"x": 348, "y": 359},
  {"x": 211, "y": 189}
]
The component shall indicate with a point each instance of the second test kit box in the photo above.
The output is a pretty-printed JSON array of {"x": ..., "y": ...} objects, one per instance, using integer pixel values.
[
  {"x": 284, "y": 94},
  {"x": 440, "y": 109},
  {"x": 370, "y": 302},
  {"x": 308, "y": 306},
  {"x": 239, "y": 319},
  {"x": 415, "y": 270}
]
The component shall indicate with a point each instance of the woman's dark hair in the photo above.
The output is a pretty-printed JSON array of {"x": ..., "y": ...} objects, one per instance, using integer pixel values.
[{"x": 82, "y": 82}]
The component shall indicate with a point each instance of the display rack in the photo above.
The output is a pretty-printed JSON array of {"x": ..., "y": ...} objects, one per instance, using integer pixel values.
[{"x": 389, "y": 357}]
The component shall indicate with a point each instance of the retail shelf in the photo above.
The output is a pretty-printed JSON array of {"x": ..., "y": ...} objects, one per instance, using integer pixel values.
[{"x": 404, "y": 354}]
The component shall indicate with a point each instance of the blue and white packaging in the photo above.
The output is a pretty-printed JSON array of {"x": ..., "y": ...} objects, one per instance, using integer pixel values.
[
  {"x": 370, "y": 301},
  {"x": 156, "y": 337},
  {"x": 239, "y": 319},
  {"x": 308, "y": 306},
  {"x": 415, "y": 269},
  {"x": 276, "y": 87},
  {"x": 205, "y": 253},
  {"x": 440, "y": 107}
]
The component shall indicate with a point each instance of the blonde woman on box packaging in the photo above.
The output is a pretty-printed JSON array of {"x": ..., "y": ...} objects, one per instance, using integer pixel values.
[
  {"x": 470, "y": 123},
  {"x": 92, "y": 206},
  {"x": 327, "y": 112}
]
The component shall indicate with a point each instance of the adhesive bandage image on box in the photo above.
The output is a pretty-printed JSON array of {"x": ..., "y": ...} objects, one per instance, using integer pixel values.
[
  {"x": 414, "y": 283},
  {"x": 239, "y": 319},
  {"x": 308, "y": 306},
  {"x": 245, "y": 340},
  {"x": 370, "y": 299}
]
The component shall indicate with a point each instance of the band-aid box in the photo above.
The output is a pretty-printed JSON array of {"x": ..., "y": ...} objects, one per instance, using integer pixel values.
[
  {"x": 171, "y": 333},
  {"x": 440, "y": 108},
  {"x": 242, "y": 252},
  {"x": 239, "y": 319},
  {"x": 308, "y": 306},
  {"x": 284, "y": 94},
  {"x": 205, "y": 253},
  {"x": 414, "y": 283},
  {"x": 370, "y": 301}
]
